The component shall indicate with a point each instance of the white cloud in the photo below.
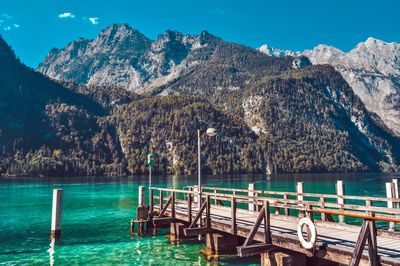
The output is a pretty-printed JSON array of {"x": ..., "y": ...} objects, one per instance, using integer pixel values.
[
  {"x": 8, "y": 28},
  {"x": 66, "y": 15},
  {"x": 94, "y": 20},
  {"x": 16, "y": 26}
]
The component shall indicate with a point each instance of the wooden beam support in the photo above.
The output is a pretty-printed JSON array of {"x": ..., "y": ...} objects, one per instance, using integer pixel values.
[
  {"x": 264, "y": 215},
  {"x": 255, "y": 249},
  {"x": 197, "y": 231},
  {"x": 198, "y": 216},
  {"x": 368, "y": 232},
  {"x": 253, "y": 231},
  {"x": 372, "y": 244},
  {"x": 267, "y": 225},
  {"x": 164, "y": 209},
  {"x": 163, "y": 220}
]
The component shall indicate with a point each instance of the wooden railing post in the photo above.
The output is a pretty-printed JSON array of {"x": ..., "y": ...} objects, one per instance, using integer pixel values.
[
  {"x": 390, "y": 195},
  {"x": 233, "y": 216},
  {"x": 322, "y": 200},
  {"x": 252, "y": 202},
  {"x": 173, "y": 205},
  {"x": 340, "y": 200},
  {"x": 208, "y": 212},
  {"x": 368, "y": 203},
  {"x": 161, "y": 200},
  {"x": 300, "y": 190},
  {"x": 396, "y": 192},
  {"x": 287, "y": 210},
  {"x": 189, "y": 208}
]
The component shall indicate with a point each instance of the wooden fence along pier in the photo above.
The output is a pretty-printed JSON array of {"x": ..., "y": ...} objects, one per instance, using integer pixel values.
[{"x": 285, "y": 228}]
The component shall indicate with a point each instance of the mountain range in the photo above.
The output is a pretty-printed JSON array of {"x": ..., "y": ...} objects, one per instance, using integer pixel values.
[
  {"x": 372, "y": 69},
  {"x": 276, "y": 111}
]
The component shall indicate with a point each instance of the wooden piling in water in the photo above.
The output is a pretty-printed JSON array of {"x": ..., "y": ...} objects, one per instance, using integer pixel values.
[
  {"x": 56, "y": 214},
  {"x": 141, "y": 196}
]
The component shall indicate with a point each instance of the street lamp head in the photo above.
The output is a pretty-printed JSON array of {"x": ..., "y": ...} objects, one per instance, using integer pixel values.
[{"x": 211, "y": 132}]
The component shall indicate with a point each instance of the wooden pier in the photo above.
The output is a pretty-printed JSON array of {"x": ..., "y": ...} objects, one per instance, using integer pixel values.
[{"x": 266, "y": 223}]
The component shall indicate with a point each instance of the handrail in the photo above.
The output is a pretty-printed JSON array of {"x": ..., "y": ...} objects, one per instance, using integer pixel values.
[
  {"x": 316, "y": 195},
  {"x": 342, "y": 209}
]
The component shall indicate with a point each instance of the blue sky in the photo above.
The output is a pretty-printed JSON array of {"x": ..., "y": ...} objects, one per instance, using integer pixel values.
[{"x": 33, "y": 27}]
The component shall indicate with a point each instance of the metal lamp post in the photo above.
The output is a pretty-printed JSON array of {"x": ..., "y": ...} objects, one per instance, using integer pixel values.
[
  {"x": 211, "y": 132},
  {"x": 150, "y": 164}
]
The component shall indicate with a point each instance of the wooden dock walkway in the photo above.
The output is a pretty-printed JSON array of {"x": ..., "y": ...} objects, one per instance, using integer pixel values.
[{"x": 273, "y": 222}]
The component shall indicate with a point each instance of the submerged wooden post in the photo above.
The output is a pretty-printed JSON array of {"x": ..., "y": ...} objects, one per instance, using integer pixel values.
[
  {"x": 56, "y": 213},
  {"x": 340, "y": 200},
  {"x": 390, "y": 205}
]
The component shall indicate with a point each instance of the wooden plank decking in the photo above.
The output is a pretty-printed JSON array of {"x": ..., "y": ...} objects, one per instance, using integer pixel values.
[
  {"x": 338, "y": 240},
  {"x": 335, "y": 242}
]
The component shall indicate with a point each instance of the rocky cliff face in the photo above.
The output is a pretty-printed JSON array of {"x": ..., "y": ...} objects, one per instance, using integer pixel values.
[
  {"x": 122, "y": 56},
  {"x": 372, "y": 69}
]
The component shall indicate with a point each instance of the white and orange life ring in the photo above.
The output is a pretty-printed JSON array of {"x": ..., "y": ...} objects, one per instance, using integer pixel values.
[{"x": 307, "y": 244}]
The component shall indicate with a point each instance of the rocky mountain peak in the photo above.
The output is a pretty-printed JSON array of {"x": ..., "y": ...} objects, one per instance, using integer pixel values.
[
  {"x": 376, "y": 55},
  {"x": 271, "y": 51},
  {"x": 372, "y": 69},
  {"x": 207, "y": 38},
  {"x": 123, "y": 37}
]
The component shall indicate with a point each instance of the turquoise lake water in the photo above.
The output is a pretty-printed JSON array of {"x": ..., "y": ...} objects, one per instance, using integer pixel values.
[{"x": 97, "y": 211}]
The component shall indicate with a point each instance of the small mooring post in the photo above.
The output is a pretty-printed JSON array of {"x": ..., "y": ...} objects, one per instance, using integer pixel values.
[
  {"x": 141, "y": 196},
  {"x": 340, "y": 200},
  {"x": 56, "y": 214},
  {"x": 142, "y": 213}
]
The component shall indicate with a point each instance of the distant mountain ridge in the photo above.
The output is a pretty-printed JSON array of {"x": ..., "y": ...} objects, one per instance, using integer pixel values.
[
  {"x": 274, "y": 114},
  {"x": 122, "y": 56},
  {"x": 372, "y": 69}
]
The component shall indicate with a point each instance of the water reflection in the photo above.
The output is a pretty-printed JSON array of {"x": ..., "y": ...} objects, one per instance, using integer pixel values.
[{"x": 51, "y": 251}]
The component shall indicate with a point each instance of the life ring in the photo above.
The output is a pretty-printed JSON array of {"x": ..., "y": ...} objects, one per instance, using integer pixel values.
[{"x": 313, "y": 231}]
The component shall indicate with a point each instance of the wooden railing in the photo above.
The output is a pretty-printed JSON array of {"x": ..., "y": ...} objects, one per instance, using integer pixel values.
[
  {"x": 325, "y": 204},
  {"x": 305, "y": 204}
]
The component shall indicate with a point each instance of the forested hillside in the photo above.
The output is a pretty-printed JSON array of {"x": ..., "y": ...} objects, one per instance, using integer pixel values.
[{"x": 272, "y": 115}]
